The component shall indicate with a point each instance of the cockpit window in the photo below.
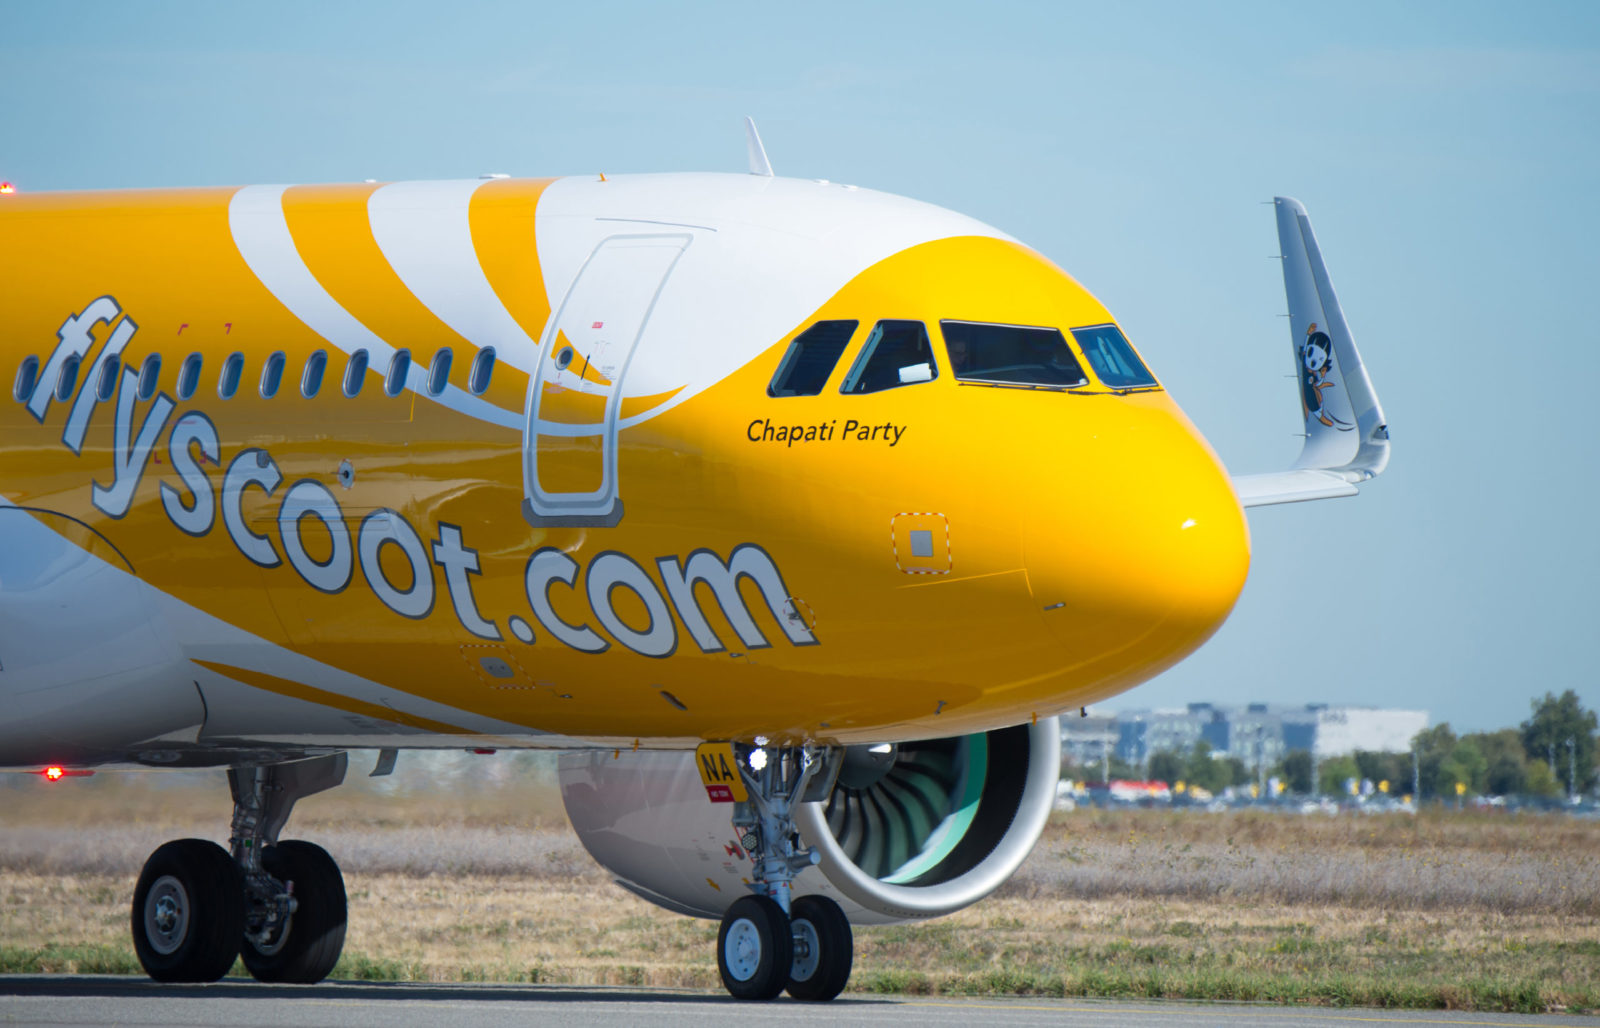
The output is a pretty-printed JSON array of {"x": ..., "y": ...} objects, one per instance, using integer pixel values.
[
  {"x": 804, "y": 370},
  {"x": 1011, "y": 355},
  {"x": 1112, "y": 359},
  {"x": 897, "y": 353}
]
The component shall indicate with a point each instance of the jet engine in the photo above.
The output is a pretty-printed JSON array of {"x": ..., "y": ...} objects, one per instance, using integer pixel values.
[{"x": 908, "y": 831}]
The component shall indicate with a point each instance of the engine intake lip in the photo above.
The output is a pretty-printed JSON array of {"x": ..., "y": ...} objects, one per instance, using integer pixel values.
[{"x": 915, "y": 902}]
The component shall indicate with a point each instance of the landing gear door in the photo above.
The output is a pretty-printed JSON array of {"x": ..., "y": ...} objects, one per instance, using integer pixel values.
[{"x": 575, "y": 396}]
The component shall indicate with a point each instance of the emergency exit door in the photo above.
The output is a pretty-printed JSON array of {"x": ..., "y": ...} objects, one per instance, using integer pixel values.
[{"x": 575, "y": 396}]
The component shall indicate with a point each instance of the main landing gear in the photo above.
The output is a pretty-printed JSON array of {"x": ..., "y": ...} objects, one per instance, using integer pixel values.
[
  {"x": 280, "y": 906},
  {"x": 768, "y": 941}
]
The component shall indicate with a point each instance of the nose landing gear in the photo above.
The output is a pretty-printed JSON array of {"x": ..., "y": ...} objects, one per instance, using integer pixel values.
[
  {"x": 754, "y": 948},
  {"x": 824, "y": 949},
  {"x": 768, "y": 943}
]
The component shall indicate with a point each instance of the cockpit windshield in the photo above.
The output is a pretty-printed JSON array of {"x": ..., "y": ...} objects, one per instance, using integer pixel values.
[
  {"x": 1011, "y": 355},
  {"x": 1112, "y": 359},
  {"x": 897, "y": 353}
]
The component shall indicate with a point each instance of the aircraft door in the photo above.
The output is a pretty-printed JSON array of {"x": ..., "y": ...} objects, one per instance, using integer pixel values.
[{"x": 575, "y": 395}]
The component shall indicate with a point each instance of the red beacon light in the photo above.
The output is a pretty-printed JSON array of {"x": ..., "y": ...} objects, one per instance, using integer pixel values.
[
  {"x": 7, "y": 188},
  {"x": 55, "y": 772}
]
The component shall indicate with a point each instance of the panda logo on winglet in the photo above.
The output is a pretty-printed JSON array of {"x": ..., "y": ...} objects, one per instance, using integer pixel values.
[{"x": 1316, "y": 362}]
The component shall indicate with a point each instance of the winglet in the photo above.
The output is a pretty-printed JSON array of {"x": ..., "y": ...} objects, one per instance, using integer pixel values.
[
  {"x": 1347, "y": 436},
  {"x": 759, "y": 165}
]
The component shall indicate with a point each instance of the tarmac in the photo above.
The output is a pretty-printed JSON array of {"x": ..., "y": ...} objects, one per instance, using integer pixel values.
[{"x": 61, "y": 1000}]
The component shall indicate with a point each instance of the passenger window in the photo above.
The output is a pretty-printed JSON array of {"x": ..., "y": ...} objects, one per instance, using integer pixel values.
[
  {"x": 804, "y": 370},
  {"x": 897, "y": 353},
  {"x": 1112, "y": 359},
  {"x": 1010, "y": 355},
  {"x": 272, "y": 375},
  {"x": 482, "y": 369},
  {"x": 355, "y": 373},
  {"x": 399, "y": 367},
  {"x": 27, "y": 378},
  {"x": 68, "y": 379},
  {"x": 232, "y": 372},
  {"x": 311, "y": 379},
  {"x": 189, "y": 376},
  {"x": 439, "y": 373},
  {"x": 110, "y": 368},
  {"x": 149, "y": 376}
]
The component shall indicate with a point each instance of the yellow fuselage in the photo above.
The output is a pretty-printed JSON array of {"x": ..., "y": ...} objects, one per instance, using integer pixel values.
[{"x": 1084, "y": 539}]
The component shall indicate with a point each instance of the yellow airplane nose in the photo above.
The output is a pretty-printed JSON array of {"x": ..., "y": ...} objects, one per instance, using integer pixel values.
[{"x": 1139, "y": 549}]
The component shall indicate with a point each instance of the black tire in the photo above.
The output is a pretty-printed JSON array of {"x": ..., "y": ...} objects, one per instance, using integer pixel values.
[
  {"x": 308, "y": 947},
  {"x": 824, "y": 949},
  {"x": 754, "y": 948},
  {"x": 188, "y": 912}
]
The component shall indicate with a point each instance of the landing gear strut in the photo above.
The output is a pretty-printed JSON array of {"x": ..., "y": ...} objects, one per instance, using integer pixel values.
[
  {"x": 279, "y": 906},
  {"x": 770, "y": 941}
]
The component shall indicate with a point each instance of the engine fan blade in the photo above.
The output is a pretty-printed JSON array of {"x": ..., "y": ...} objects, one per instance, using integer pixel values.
[{"x": 885, "y": 825}]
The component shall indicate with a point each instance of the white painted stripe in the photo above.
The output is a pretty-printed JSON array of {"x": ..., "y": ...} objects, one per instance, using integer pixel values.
[
  {"x": 424, "y": 232},
  {"x": 261, "y": 233}
]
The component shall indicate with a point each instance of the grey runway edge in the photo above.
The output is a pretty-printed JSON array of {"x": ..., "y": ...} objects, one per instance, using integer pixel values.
[{"x": 60, "y": 1000}]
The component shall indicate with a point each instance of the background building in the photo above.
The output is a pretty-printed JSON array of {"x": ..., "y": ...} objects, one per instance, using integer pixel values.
[
  {"x": 1259, "y": 734},
  {"x": 1088, "y": 741},
  {"x": 1337, "y": 730}
]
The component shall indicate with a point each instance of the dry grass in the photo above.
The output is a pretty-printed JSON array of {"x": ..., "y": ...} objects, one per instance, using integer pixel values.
[
  {"x": 1438, "y": 861},
  {"x": 1447, "y": 910}
]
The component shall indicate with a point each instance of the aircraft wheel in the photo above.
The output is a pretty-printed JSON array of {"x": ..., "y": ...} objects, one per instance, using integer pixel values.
[
  {"x": 188, "y": 912},
  {"x": 755, "y": 948},
  {"x": 307, "y": 946},
  {"x": 824, "y": 949}
]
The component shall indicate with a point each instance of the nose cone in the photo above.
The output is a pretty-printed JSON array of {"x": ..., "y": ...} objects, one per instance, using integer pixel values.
[{"x": 1137, "y": 548}]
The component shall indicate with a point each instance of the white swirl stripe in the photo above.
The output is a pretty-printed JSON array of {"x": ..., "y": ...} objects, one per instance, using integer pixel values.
[
  {"x": 261, "y": 234},
  {"x": 425, "y": 234}
]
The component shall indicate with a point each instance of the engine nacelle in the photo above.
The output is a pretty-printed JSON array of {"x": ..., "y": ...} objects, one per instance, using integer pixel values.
[{"x": 908, "y": 832}]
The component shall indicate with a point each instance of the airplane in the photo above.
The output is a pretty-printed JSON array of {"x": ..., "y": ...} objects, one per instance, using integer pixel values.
[{"x": 793, "y": 514}]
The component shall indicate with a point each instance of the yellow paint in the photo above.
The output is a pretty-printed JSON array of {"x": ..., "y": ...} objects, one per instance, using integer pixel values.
[
  {"x": 719, "y": 768},
  {"x": 501, "y": 217},
  {"x": 311, "y": 694},
  {"x": 1093, "y": 538}
]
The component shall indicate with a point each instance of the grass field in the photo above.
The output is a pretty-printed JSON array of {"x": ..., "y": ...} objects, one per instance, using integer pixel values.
[{"x": 1442, "y": 910}]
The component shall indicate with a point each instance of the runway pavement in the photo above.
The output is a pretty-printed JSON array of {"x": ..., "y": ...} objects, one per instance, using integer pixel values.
[{"x": 235, "y": 1003}]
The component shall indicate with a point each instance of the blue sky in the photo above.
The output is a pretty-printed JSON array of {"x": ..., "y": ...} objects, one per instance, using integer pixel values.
[{"x": 1447, "y": 152}]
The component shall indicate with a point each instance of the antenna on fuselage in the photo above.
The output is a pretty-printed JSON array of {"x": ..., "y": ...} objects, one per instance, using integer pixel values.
[{"x": 759, "y": 165}]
